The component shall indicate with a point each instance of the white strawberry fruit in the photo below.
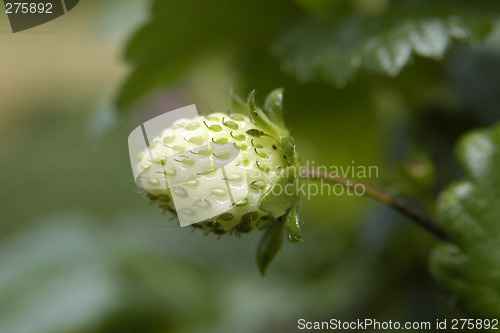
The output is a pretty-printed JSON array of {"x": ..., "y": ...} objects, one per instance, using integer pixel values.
[{"x": 222, "y": 172}]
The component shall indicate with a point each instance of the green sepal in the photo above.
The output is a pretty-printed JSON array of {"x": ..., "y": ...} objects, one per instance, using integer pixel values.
[
  {"x": 282, "y": 195},
  {"x": 259, "y": 118},
  {"x": 237, "y": 104},
  {"x": 269, "y": 244},
  {"x": 288, "y": 146},
  {"x": 273, "y": 107},
  {"x": 292, "y": 225}
]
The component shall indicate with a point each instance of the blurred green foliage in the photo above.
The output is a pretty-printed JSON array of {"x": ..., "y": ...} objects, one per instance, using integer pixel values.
[
  {"x": 82, "y": 251},
  {"x": 469, "y": 212}
]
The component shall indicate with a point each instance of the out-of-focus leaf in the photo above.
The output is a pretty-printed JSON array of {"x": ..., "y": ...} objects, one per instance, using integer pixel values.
[
  {"x": 65, "y": 275},
  {"x": 469, "y": 267},
  {"x": 181, "y": 32},
  {"x": 237, "y": 105},
  {"x": 273, "y": 107},
  {"x": 269, "y": 244},
  {"x": 335, "y": 49},
  {"x": 55, "y": 279}
]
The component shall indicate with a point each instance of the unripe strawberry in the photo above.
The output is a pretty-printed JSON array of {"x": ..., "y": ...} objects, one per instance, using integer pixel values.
[
  {"x": 218, "y": 172},
  {"x": 192, "y": 148}
]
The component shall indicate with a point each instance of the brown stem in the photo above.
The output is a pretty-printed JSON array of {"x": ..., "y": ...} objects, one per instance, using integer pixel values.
[{"x": 426, "y": 223}]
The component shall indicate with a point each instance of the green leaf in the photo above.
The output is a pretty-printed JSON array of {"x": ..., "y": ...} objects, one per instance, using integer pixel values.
[
  {"x": 292, "y": 224},
  {"x": 334, "y": 49},
  {"x": 259, "y": 118},
  {"x": 166, "y": 47},
  {"x": 289, "y": 148},
  {"x": 469, "y": 211},
  {"x": 282, "y": 195},
  {"x": 269, "y": 244},
  {"x": 273, "y": 107},
  {"x": 238, "y": 106}
]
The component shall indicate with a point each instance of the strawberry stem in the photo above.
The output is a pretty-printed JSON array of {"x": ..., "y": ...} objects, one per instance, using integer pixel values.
[{"x": 402, "y": 207}]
